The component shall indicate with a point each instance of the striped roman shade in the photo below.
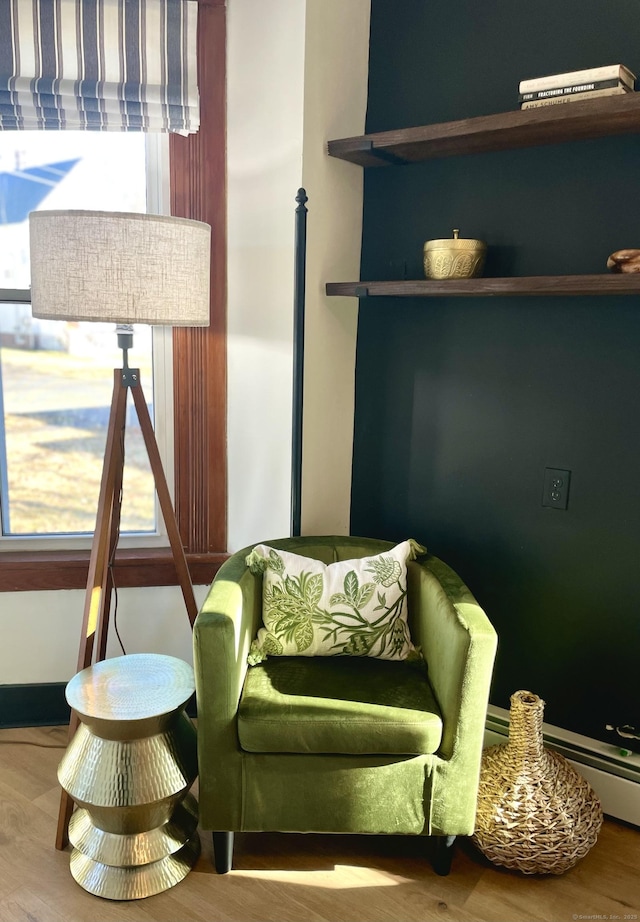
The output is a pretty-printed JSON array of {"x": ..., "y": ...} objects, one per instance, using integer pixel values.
[{"x": 115, "y": 65}]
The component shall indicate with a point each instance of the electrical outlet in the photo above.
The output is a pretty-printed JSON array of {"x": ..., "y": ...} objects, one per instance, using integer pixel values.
[{"x": 556, "y": 488}]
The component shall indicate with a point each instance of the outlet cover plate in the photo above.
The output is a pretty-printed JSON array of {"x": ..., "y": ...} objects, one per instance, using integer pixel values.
[{"x": 555, "y": 492}]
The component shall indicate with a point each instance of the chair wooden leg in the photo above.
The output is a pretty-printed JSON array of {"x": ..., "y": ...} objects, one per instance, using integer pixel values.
[
  {"x": 443, "y": 854},
  {"x": 223, "y": 851}
]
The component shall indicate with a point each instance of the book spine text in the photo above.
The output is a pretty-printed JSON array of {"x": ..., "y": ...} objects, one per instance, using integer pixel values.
[{"x": 607, "y": 72}]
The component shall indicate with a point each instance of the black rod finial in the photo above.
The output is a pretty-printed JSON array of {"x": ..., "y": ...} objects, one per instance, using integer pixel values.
[{"x": 301, "y": 198}]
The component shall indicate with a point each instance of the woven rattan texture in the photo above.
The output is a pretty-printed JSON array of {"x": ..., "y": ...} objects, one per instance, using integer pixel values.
[{"x": 536, "y": 814}]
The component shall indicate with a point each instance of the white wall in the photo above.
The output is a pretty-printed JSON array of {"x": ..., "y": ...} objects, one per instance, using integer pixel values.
[
  {"x": 41, "y": 630},
  {"x": 265, "y": 63},
  {"x": 335, "y": 99},
  {"x": 297, "y": 76}
]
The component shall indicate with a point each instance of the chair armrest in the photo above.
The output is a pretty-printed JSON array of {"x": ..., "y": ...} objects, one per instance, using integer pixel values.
[
  {"x": 227, "y": 622},
  {"x": 459, "y": 644}
]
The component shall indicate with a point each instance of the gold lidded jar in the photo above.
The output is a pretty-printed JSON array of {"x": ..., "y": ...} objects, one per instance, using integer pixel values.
[{"x": 454, "y": 257}]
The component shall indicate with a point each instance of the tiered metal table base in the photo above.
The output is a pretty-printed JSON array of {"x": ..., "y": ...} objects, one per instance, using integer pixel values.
[{"x": 129, "y": 768}]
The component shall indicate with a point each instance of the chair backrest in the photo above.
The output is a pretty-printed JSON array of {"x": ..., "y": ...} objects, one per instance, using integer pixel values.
[{"x": 330, "y": 548}]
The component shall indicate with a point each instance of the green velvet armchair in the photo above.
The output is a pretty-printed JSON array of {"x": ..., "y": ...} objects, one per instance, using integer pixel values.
[{"x": 342, "y": 744}]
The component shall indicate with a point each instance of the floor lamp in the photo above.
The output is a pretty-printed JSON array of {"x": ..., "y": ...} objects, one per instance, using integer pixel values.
[{"x": 124, "y": 269}]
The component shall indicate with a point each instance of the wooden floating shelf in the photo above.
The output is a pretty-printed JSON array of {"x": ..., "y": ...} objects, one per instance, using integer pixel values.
[
  {"x": 572, "y": 121},
  {"x": 539, "y": 285}
]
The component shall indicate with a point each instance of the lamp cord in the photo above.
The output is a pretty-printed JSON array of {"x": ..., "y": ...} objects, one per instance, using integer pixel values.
[
  {"x": 113, "y": 555},
  {"x": 115, "y": 611}
]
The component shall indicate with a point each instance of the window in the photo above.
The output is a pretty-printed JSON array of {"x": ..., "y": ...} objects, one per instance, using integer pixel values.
[
  {"x": 56, "y": 377},
  {"x": 197, "y": 180}
]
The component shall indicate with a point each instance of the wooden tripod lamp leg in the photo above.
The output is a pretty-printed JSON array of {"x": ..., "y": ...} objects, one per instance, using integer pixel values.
[
  {"x": 98, "y": 594},
  {"x": 164, "y": 497},
  {"x": 66, "y": 803},
  {"x": 94, "y": 603}
]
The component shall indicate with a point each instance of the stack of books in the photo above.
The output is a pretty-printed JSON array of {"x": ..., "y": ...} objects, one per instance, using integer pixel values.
[{"x": 610, "y": 80}]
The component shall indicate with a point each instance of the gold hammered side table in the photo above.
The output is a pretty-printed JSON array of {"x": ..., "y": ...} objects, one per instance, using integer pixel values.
[{"x": 129, "y": 768}]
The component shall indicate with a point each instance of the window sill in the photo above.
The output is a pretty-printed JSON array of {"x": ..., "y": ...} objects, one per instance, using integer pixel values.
[{"x": 134, "y": 567}]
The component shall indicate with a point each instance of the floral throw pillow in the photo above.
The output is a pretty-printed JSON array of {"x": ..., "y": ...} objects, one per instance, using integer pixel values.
[{"x": 350, "y": 607}]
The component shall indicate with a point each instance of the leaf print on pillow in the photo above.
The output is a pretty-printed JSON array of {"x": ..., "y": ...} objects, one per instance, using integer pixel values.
[
  {"x": 382, "y": 602},
  {"x": 354, "y": 595},
  {"x": 303, "y": 635},
  {"x": 338, "y": 598},
  {"x": 292, "y": 587},
  {"x": 365, "y": 594},
  {"x": 275, "y": 562},
  {"x": 285, "y": 626},
  {"x": 277, "y": 603},
  {"x": 313, "y": 589},
  {"x": 351, "y": 587}
]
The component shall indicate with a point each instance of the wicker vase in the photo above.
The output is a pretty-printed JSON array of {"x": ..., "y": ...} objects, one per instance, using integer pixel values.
[{"x": 535, "y": 814}]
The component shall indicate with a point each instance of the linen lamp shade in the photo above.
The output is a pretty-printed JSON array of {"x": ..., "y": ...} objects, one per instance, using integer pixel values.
[{"x": 116, "y": 267}]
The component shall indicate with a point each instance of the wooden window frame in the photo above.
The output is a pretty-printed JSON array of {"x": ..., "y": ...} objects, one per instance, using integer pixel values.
[{"x": 198, "y": 191}]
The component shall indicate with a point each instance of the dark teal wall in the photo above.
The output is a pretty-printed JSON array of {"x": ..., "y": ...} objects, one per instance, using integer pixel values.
[{"x": 462, "y": 403}]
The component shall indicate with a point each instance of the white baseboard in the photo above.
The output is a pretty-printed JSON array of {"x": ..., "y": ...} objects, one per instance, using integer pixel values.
[{"x": 615, "y": 778}]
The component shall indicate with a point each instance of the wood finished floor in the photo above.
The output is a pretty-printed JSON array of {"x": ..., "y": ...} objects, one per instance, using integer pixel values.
[{"x": 294, "y": 878}]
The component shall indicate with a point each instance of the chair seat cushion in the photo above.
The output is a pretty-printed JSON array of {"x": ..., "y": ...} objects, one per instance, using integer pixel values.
[{"x": 339, "y": 705}]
